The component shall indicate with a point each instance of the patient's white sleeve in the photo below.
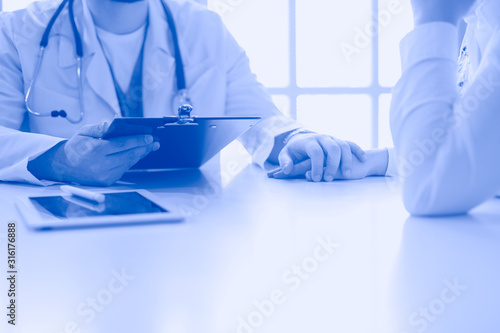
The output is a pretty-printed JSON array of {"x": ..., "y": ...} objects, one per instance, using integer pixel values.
[{"x": 447, "y": 146}]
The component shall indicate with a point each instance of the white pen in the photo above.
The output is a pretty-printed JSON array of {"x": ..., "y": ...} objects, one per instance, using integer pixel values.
[{"x": 78, "y": 192}]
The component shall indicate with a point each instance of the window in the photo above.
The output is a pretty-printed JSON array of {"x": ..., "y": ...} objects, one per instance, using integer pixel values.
[{"x": 330, "y": 64}]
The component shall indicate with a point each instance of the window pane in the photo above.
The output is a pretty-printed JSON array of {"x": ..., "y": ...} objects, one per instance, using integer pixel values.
[
  {"x": 395, "y": 21},
  {"x": 333, "y": 48},
  {"x": 261, "y": 28},
  {"x": 384, "y": 129},
  {"x": 347, "y": 117}
]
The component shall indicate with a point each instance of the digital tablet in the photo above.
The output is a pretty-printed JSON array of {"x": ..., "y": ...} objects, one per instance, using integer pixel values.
[
  {"x": 182, "y": 146},
  {"x": 119, "y": 208}
]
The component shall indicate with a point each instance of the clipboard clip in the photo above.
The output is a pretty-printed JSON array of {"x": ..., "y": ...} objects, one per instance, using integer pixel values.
[
  {"x": 184, "y": 116},
  {"x": 185, "y": 109},
  {"x": 183, "y": 112}
]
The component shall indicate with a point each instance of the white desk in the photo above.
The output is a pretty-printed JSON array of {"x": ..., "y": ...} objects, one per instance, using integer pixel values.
[{"x": 202, "y": 275}]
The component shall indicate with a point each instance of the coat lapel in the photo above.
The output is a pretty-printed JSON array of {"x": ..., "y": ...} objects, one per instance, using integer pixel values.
[
  {"x": 159, "y": 66},
  {"x": 101, "y": 82},
  {"x": 95, "y": 66}
]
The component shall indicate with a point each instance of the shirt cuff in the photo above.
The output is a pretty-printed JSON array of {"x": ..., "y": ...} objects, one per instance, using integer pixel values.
[
  {"x": 429, "y": 41},
  {"x": 262, "y": 154},
  {"x": 392, "y": 165},
  {"x": 259, "y": 141},
  {"x": 19, "y": 172}
]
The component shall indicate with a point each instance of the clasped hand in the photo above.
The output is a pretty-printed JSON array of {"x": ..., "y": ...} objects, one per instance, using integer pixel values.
[{"x": 322, "y": 157}]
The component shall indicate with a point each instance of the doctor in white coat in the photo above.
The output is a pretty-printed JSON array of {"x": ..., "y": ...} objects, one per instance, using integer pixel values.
[{"x": 128, "y": 68}]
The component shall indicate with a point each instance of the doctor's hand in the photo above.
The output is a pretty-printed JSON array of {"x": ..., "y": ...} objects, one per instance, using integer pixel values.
[
  {"x": 88, "y": 160},
  {"x": 375, "y": 164},
  {"x": 320, "y": 157},
  {"x": 451, "y": 11}
]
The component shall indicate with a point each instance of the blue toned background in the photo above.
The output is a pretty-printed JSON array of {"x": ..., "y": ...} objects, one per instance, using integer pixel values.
[{"x": 370, "y": 267}]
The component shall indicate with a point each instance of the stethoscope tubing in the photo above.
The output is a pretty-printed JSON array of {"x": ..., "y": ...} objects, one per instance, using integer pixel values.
[{"x": 179, "y": 70}]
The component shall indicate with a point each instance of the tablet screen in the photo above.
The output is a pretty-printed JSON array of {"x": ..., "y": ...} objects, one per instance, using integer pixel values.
[{"x": 68, "y": 206}]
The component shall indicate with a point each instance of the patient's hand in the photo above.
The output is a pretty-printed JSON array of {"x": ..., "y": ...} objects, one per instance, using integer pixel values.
[
  {"x": 88, "y": 160},
  {"x": 327, "y": 155},
  {"x": 451, "y": 11},
  {"x": 375, "y": 164}
]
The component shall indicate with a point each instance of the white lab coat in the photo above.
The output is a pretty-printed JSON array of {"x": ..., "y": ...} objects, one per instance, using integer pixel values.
[{"x": 218, "y": 76}]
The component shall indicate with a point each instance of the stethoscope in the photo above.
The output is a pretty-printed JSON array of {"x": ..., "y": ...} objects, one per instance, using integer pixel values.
[{"x": 185, "y": 106}]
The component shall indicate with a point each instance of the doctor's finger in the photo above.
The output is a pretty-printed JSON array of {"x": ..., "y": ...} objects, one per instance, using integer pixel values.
[
  {"x": 286, "y": 161},
  {"x": 317, "y": 156},
  {"x": 299, "y": 170},
  {"x": 346, "y": 159},
  {"x": 334, "y": 152},
  {"x": 116, "y": 145},
  {"x": 357, "y": 151},
  {"x": 128, "y": 158},
  {"x": 94, "y": 131}
]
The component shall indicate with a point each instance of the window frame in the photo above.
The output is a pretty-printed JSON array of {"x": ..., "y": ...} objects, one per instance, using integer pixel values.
[
  {"x": 374, "y": 90},
  {"x": 293, "y": 91}
]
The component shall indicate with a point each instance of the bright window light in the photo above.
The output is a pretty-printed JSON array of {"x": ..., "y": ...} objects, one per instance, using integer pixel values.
[{"x": 329, "y": 64}]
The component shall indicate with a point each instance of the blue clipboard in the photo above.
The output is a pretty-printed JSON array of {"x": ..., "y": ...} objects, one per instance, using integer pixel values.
[{"x": 182, "y": 145}]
